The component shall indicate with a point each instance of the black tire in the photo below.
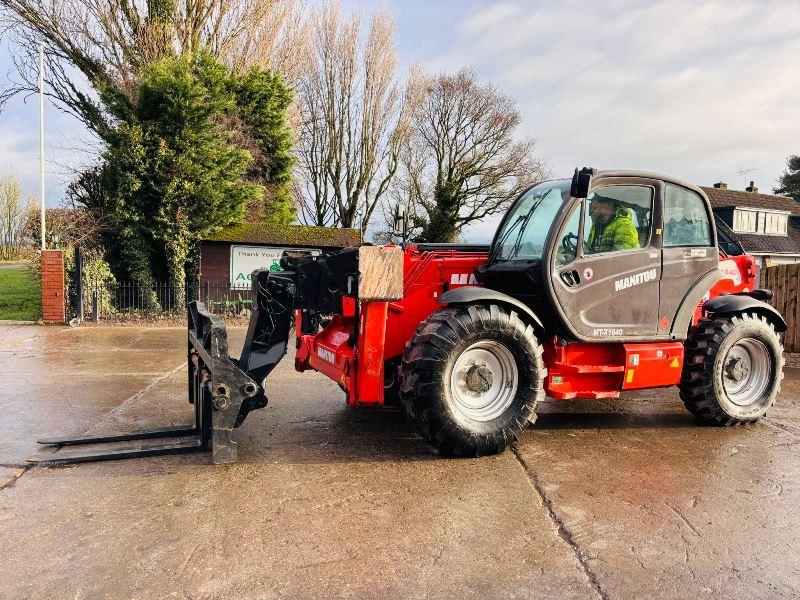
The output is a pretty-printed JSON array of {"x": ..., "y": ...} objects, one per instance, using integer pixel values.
[
  {"x": 707, "y": 366},
  {"x": 427, "y": 366}
]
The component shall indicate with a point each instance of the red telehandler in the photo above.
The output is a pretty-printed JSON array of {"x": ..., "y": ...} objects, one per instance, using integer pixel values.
[{"x": 607, "y": 282}]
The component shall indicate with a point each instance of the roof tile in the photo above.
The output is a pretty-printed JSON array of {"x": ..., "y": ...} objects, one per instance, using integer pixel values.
[
  {"x": 286, "y": 235},
  {"x": 735, "y": 198}
]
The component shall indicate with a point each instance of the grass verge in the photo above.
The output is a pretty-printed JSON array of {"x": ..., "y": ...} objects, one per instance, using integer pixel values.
[{"x": 20, "y": 295}]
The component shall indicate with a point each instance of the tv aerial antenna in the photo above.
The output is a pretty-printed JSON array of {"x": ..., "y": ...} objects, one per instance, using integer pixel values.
[{"x": 746, "y": 174}]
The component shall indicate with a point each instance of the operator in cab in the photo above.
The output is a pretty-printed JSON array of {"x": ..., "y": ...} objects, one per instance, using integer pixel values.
[{"x": 612, "y": 226}]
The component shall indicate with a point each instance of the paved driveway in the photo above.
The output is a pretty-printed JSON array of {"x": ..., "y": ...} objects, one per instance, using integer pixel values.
[{"x": 602, "y": 499}]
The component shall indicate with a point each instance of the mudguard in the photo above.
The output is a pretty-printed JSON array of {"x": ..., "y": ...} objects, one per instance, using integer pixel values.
[
  {"x": 732, "y": 304},
  {"x": 471, "y": 294},
  {"x": 683, "y": 316}
]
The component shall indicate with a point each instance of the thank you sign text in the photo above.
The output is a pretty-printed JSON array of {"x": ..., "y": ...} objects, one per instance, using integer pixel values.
[{"x": 246, "y": 259}]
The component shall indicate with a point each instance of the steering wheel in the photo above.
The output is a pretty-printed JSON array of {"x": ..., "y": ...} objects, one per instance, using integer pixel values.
[{"x": 569, "y": 243}]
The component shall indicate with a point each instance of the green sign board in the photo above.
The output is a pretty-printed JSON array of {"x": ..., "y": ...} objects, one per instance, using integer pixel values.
[{"x": 246, "y": 259}]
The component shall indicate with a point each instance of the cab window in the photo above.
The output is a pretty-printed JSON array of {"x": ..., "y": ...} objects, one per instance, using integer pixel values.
[
  {"x": 619, "y": 219},
  {"x": 570, "y": 234},
  {"x": 524, "y": 231},
  {"x": 686, "y": 221}
]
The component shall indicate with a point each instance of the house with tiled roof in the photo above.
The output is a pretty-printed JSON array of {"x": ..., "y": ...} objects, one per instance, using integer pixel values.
[
  {"x": 764, "y": 225},
  {"x": 228, "y": 256}
]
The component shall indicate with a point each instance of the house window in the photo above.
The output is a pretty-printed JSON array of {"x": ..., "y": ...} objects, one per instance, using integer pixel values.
[
  {"x": 763, "y": 222},
  {"x": 775, "y": 224},
  {"x": 744, "y": 221}
]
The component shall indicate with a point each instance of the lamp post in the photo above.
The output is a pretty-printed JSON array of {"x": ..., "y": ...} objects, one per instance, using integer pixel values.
[{"x": 41, "y": 139}]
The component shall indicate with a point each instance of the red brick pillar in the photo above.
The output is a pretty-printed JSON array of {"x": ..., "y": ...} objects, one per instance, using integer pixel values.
[{"x": 53, "y": 304}]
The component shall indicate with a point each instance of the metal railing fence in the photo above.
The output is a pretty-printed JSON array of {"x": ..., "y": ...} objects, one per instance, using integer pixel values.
[{"x": 118, "y": 300}]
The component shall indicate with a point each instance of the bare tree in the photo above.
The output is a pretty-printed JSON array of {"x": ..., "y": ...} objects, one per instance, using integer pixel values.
[
  {"x": 356, "y": 118},
  {"x": 408, "y": 193},
  {"x": 14, "y": 213},
  {"x": 72, "y": 227},
  {"x": 463, "y": 161},
  {"x": 110, "y": 41}
]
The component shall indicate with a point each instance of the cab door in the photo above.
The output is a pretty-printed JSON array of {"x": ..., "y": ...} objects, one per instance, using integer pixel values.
[
  {"x": 689, "y": 254},
  {"x": 610, "y": 293}
]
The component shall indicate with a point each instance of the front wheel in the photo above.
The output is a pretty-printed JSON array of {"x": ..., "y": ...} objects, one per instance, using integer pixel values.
[
  {"x": 471, "y": 379},
  {"x": 732, "y": 370}
]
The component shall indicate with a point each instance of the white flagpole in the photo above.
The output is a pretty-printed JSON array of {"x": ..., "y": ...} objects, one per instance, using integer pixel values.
[{"x": 41, "y": 137}]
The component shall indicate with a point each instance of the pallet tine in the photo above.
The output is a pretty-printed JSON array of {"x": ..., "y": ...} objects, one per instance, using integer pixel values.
[
  {"x": 216, "y": 386},
  {"x": 144, "y": 434}
]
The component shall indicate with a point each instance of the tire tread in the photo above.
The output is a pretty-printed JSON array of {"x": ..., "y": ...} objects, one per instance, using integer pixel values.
[
  {"x": 697, "y": 380},
  {"x": 424, "y": 366}
]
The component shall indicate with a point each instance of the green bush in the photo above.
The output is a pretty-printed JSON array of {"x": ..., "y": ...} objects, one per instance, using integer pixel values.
[
  {"x": 195, "y": 148},
  {"x": 97, "y": 276}
]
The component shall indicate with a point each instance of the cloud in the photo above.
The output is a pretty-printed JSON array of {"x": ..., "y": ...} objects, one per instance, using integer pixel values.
[
  {"x": 67, "y": 147},
  {"x": 695, "y": 89},
  {"x": 19, "y": 153},
  {"x": 698, "y": 90}
]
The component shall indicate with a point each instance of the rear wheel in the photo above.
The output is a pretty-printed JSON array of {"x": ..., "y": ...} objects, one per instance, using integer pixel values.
[
  {"x": 471, "y": 379},
  {"x": 732, "y": 370}
]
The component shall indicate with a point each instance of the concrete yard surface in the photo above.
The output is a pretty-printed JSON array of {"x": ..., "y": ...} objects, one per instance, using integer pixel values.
[{"x": 601, "y": 499}]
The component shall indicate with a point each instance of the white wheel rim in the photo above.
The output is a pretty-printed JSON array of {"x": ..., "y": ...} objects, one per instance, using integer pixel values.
[
  {"x": 484, "y": 380},
  {"x": 746, "y": 372}
]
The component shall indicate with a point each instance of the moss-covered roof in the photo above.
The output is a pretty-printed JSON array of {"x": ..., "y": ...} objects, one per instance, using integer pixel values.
[{"x": 286, "y": 235}]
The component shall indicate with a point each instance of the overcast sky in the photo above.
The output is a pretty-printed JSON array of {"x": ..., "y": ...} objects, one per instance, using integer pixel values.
[{"x": 699, "y": 90}]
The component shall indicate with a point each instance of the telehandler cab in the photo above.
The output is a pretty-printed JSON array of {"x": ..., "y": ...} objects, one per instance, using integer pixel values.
[{"x": 571, "y": 300}]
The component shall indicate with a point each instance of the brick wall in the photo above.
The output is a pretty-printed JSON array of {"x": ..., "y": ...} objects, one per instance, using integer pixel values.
[{"x": 53, "y": 307}]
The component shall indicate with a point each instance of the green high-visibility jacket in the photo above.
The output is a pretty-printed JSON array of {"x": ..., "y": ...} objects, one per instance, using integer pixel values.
[{"x": 618, "y": 234}]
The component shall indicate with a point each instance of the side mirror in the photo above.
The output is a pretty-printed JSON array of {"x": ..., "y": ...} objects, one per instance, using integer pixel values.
[
  {"x": 400, "y": 223},
  {"x": 399, "y": 217},
  {"x": 581, "y": 181}
]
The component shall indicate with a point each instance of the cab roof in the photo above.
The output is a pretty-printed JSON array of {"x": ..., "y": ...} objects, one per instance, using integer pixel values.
[{"x": 649, "y": 175}]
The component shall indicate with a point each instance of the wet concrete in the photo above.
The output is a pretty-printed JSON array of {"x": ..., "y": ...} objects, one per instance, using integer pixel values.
[{"x": 602, "y": 499}]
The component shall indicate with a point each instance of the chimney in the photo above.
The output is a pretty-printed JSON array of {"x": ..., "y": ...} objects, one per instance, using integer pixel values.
[
  {"x": 751, "y": 188},
  {"x": 721, "y": 185}
]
